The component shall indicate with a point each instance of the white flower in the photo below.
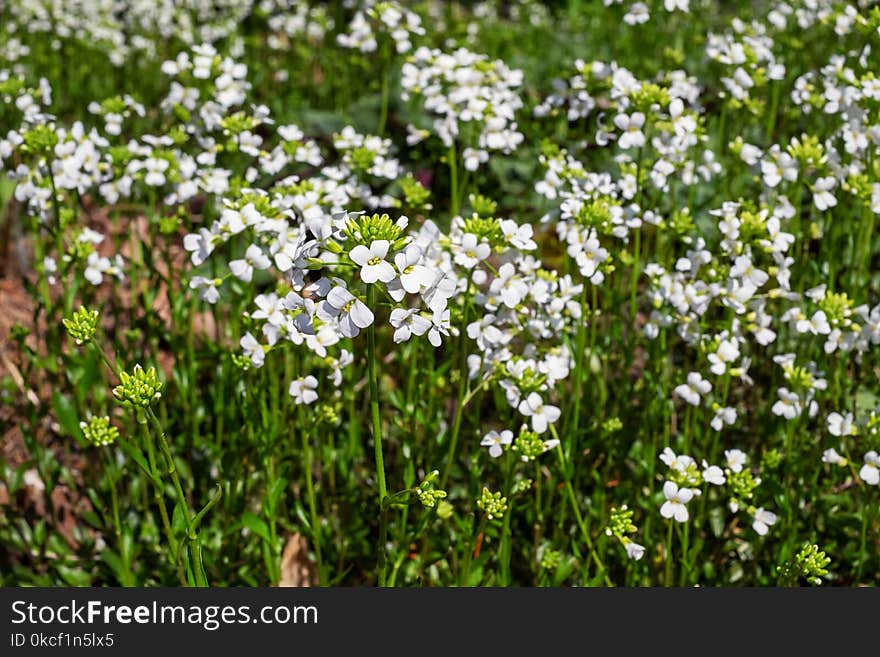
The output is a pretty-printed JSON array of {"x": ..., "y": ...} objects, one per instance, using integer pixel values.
[
  {"x": 269, "y": 309},
  {"x": 673, "y": 5},
  {"x": 413, "y": 276},
  {"x": 723, "y": 415},
  {"x": 870, "y": 472},
  {"x": 696, "y": 385},
  {"x": 841, "y": 425},
  {"x": 156, "y": 168},
  {"x": 324, "y": 337},
  {"x": 372, "y": 261},
  {"x": 474, "y": 157},
  {"x": 533, "y": 406},
  {"x": 254, "y": 258},
  {"x": 353, "y": 313},
  {"x": 207, "y": 288},
  {"x": 440, "y": 326},
  {"x": 728, "y": 352},
  {"x": 638, "y": 13},
  {"x": 631, "y": 129},
  {"x": 676, "y": 499},
  {"x": 408, "y": 323},
  {"x": 97, "y": 266},
  {"x": 817, "y": 324},
  {"x": 831, "y": 456},
  {"x": 589, "y": 256},
  {"x": 822, "y": 196},
  {"x": 788, "y": 405},
  {"x": 496, "y": 442},
  {"x": 253, "y": 349},
  {"x": 471, "y": 251},
  {"x": 743, "y": 268},
  {"x": 681, "y": 462},
  {"x": 634, "y": 550},
  {"x": 303, "y": 390},
  {"x": 736, "y": 459},
  {"x": 201, "y": 245},
  {"x": 509, "y": 286},
  {"x": 761, "y": 521},
  {"x": 713, "y": 474}
]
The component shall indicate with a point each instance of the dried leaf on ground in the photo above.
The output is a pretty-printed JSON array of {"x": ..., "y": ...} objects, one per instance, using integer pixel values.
[{"x": 298, "y": 569}]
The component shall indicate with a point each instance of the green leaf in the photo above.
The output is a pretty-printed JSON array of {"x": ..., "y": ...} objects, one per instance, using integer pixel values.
[
  {"x": 276, "y": 491},
  {"x": 716, "y": 520},
  {"x": 256, "y": 525},
  {"x": 66, "y": 415},
  {"x": 112, "y": 559},
  {"x": 74, "y": 576},
  {"x": 134, "y": 454},
  {"x": 178, "y": 521}
]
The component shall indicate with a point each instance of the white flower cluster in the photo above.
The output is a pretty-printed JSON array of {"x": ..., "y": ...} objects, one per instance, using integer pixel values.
[
  {"x": 747, "y": 51},
  {"x": 291, "y": 21},
  {"x": 685, "y": 480},
  {"x": 844, "y": 426},
  {"x": 123, "y": 29},
  {"x": 474, "y": 100},
  {"x": 377, "y": 19}
]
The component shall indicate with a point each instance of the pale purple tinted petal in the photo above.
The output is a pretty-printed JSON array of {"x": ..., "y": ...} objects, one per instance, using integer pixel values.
[{"x": 361, "y": 315}]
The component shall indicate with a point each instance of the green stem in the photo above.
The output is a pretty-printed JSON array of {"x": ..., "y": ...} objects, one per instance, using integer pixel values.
[
  {"x": 506, "y": 547},
  {"x": 580, "y": 341},
  {"x": 127, "y": 579},
  {"x": 462, "y": 397},
  {"x": 383, "y": 111},
  {"x": 452, "y": 158},
  {"x": 192, "y": 533},
  {"x": 377, "y": 433},
  {"x": 772, "y": 114},
  {"x": 863, "y": 542},
  {"x": 310, "y": 487},
  {"x": 634, "y": 285},
  {"x": 465, "y": 577},
  {"x": 669, "y": 553},
  {"x": 159, "y": 496},
  {"x": 684, "y": 535},
  {"x": 585, "y": 532}
]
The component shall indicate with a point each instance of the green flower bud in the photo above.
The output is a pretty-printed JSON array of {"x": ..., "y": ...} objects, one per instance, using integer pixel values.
[
  {"x": 612, "y": 425},
  {"x": 551, "y": 559},
  {"x": 428, "y": 495},
  {"x": 772, "y": 459},
  {"x": 809, "y": 563},
  {"x": 492, "y": 504},
  {"x": 444, "y": 510},
  {"x": 414, "y": 193},
  {"x": 620, "y": 522},
  {"x": 83, "y": 325},
  {"x": 141, "y": 388},
  {"x": 41, "y": 140},
  {"x": 529, "y": 444},
  {"x": 99, "y": 432},
  {"x": 521, "y": 486}
]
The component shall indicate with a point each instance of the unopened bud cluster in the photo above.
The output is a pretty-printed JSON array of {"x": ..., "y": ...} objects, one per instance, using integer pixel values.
[
  {"x": 82, "y": 326},
  {"x": 99, "y": 432},
  {"x": 428, "y": 495},
  {"x": 140, "y": 388},
  {"x": 492, "y": 504}
]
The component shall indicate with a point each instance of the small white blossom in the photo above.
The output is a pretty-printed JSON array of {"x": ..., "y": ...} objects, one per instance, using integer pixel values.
[
  {"x": 676, "y": 501},
  {"x": 696, "y": 385},
  {"x": 542, "y": 415},
  {"x": 303, "y": 390},
  {"x": 497, "y": 441}
]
